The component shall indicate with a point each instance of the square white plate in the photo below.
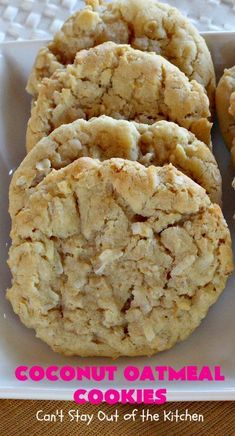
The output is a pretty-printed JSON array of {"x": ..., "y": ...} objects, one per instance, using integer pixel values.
[{"x": 213, "y": 343}]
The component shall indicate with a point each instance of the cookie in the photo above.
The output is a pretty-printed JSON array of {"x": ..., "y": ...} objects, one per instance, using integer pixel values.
[
  {"x": 146, "y": 25},
  {"x": 121, "y": 82},
  {"x": 112, "y": 258},
  {"x": 225, "y": 106},
  {"x": 102, "y": 138}
]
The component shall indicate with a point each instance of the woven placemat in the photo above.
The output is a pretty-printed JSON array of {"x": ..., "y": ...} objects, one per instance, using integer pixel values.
[
  {"x": 40, "y": 19},
  {"x": 18, "y": 418}
]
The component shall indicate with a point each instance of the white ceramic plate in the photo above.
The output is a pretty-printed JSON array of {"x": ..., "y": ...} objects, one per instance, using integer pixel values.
[{"x": 213, "y": 343}]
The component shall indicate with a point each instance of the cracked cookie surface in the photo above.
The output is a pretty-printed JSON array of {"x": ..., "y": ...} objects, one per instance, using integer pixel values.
[
  {"x": 103, "y": 138},
  {"x": 225, "y": 106},
  {"x": 121, "y": 82},
  {"x": 112, "y": 258},
  {"x": 146, "y": 25}
]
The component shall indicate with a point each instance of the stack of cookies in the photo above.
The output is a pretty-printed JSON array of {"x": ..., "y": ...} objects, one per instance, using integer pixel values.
[{"x": 119, "y": 245}]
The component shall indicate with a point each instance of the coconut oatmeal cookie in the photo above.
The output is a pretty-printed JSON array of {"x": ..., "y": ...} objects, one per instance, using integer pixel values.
[
  {"x": 225, "y": 106},
  {"x": 112, "y": 258},
  {"x": 145, "y": 24},
  {"x": 104, "y": 137},
  {"x": 121, "y": 82}
]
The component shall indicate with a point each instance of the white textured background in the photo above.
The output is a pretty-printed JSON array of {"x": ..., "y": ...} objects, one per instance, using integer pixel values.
[{"x": 39, "y": 19}]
